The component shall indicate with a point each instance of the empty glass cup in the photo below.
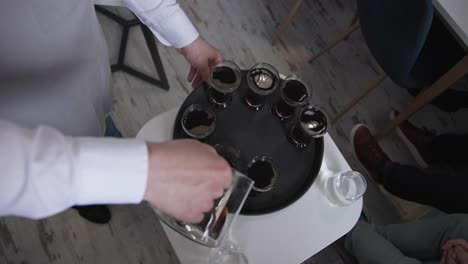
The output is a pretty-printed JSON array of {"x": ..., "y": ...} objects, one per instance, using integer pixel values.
[
  {"x": 211, "y": 230},
  {"x": 198, "y": 121},
  {"x": 228, "y": 253},
  {"x": 294, "y": 93},
  {"x": 262, "y": 79},
  {"x": 345, "y": 188},
  {"x": 264, "y": 172},
  {"x": 311, "y": 122},
  {"x": 225, "y": 77}
]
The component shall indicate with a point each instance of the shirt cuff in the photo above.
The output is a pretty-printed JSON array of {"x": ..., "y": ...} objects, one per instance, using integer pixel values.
[
  {"x": 176, "y": 30},
  {"x": 110, "y": 170}
]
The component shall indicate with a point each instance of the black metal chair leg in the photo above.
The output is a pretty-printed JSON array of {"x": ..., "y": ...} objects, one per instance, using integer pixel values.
[{"x": 150, "y": 42}]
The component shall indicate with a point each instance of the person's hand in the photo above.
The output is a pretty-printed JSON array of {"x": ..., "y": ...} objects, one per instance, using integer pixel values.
[
  {"x": 455, "y": 251},
  {"x": 453, "y": 242},
  {"x": 448, "y": 257},
  {"x": 461, "y": 253},
  {"x": 185, "y": 177},
  {"x": 200, "y": 55}
]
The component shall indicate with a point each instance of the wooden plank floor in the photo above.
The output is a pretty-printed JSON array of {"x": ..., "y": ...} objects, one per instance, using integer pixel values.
[{"x": 242, "y": 30}]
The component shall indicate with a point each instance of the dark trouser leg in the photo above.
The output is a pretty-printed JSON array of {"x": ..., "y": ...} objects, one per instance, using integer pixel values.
[
  {"x": 111, "y": 129},
  {"x": 442, "y": 186},
  {"x": 448, "y": 101},
  {"x": 451, "y": 148}
]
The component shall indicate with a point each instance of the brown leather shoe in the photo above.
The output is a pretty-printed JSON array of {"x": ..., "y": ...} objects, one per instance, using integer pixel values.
[
  {"x": 417, "y": 140},
  {"x": 368, "y": 151}
]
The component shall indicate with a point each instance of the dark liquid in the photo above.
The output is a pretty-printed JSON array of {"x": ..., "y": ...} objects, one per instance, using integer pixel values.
[
  {"x": 298, "y": 137},
  {"x": 199, "y": 122},
  {"x": 262, "y": 173},
  {"x": 219, "y": 99},
  {"x": 313, "y": 121},
  {"x": 254, "y": 100},
  {"x": 224, "y": 75},
  {"x": 263, "y": 84},
  {"x": 283, "y": 110},
  {"x": 295, "y": 91},
  {"x": 217, "y": 226}
]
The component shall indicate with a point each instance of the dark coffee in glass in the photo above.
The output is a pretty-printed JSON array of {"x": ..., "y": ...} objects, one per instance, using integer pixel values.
[
  {"x": 262, "y": 79},
  {"x": 294, "y": 93},
  {"x": 312, "y": 122},
  {"x": 225, "y": 77},
  {"x": 264, "y": 172},
  {"x": 212, "y": 223},
  {"x": 198, "y": 121}
]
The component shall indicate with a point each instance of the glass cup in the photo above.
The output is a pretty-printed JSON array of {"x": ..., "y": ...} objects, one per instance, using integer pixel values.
[
  {"x": 311, "y": 122},
  {"x": 228, "y": 252},
  {"x": 345, "y": 188},
  {"x": 198, "y": 121},
  {"x": 225, "y": 77},
  {"x": 216, "y": 223},
  {"x": 294, "y": 93},
  {"x": 264, "y": 172},
  {"x": 262, "y": 79}
]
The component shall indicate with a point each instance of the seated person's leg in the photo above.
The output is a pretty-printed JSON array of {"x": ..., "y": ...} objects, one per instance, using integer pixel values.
[
  {"x": 433, "y": 64},
  {"x": 442, "y": 186},
  {"x": 451, "y": 148},
  {"x": 369, "y": 247},
  {"x": 423, "y": 239},
  {"x": 428, "y": 148},
  {"x": 449, "y": 101}
]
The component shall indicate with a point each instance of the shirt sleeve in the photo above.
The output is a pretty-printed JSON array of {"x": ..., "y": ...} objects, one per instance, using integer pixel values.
[
  {"x": 166, "y": 20},
  {"x": 45, "y": 172}
]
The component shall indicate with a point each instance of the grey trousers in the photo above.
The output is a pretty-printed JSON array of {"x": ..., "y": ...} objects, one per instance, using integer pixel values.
[{"x": 408, "y": 243}]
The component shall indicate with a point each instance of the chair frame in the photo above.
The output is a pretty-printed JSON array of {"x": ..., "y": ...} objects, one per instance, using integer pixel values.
[{"x": 150, "y": 42}]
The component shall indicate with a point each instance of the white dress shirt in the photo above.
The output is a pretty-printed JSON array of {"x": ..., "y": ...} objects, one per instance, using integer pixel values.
[{"x": 55, "y": 90}]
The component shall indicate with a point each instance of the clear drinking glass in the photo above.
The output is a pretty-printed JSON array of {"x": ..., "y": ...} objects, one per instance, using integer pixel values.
[
  {"x": 262, "y": 79},
  {"x": 228, "y": 253},
  {"x": 198, "y": 121},
  {"x": 294, "y": 93},
  {"x": 345, "y": 188},
  {"x": 311, "y": 122},
  {"x": 216, "y": 223},
  {"x": 225, "y": 77}
]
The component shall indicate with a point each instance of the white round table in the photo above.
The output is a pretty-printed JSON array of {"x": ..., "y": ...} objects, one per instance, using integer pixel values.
[{"x": 291, "y": 235}]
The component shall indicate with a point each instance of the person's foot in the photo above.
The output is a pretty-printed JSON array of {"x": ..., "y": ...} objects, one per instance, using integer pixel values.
[
  {"x": 368, "y": 151},
  {"x": 417, "y": 140},
  {"x": 98, "y": 214}
]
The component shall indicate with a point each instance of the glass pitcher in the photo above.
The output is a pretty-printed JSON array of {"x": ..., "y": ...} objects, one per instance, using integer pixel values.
[{"x": 216, "y": 223}]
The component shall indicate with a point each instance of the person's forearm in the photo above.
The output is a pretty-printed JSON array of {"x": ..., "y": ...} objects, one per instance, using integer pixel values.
[{"x": 45, "y": 172}]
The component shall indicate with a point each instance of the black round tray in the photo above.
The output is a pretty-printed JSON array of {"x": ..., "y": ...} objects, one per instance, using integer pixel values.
[{"x": 259, "y": 133}]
